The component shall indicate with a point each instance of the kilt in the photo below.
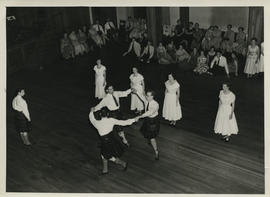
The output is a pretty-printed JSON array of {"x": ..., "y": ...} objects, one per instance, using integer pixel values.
[
  {"x": 21, "y": 122},
  {"x": 150, "y": 127},
  {"x": 119, "y": 116},
  {"x": 111, "y": 145}
]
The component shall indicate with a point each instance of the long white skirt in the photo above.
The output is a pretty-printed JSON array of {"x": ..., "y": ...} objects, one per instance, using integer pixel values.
[
  {"x": 261, "y": 64},
  {"x": 100, "y": 88},
  {"x": 136, "y": 103},
  {"x": 223, "y": 125},
  {"x": 251, "y": 66},
  {"x": 171, "y": 111}
]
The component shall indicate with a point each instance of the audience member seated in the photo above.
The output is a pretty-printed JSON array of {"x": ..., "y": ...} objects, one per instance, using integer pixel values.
[
  {"x": 219, "y": 65},
  {"x": 99, "y": 29},
  {"x": 197, "y": 36},
  {"x": 83, "y": 40},
  {"x": 233, "y": 64},
  {"x": 202, "y": 65},
  {"x": 182, "y": 58},
  {"x": 66, "y": 47},
  {"x": 78, "y": 47},
  {"x": 92, "y": 34},
  {"x": 122, "y": 30},
  {"x": 230, "y": 35},
  {"x": 210, "y": 55},
  {"x": 188, "y": 35},
  {"x": 134, "y": 49},
  {"x": 217, "y": 37},
  {"x": 171, "y": 50},
  {"x": 226, "y": 47},
  {"x": 207, "y": 40},
  {"x": 144, "y": 40},
  {"x": 110, "y": 29},
  {"x": 148, "y": 53},
  {"x": 166, "y": 34},
  {"x": 193, "y": 58},
  {"x": 162, "y": 55},
  {"x": 240, "y": 42}
]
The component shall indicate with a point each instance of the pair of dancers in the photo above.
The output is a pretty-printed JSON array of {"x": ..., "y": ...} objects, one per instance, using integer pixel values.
[{"x": 110, "y": 125}]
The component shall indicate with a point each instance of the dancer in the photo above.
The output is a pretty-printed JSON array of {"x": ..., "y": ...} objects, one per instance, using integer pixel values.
[
  {"x": 151, "y": 125},
  {"x": 111, "y": 147},
  {"x": 22, "y": 116},
  {"x": 225, "y": 123},
  {"x": 172, "y": 108},
  {"x": 137, "y": 83},
  {"x": 100, "y": 79},
  {"x": 111, "y": 101}
]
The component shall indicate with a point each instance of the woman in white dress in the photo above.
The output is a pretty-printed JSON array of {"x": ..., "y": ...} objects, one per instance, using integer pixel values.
[
  {"x": 137, "y": 83},
  {"x": 225, "y": 123},
  {"x": 252, "y": 61},
  {"x": 100, "y": 81},
  {"x": 171, "y": 107},
  {"x": 261, "y": 64}
]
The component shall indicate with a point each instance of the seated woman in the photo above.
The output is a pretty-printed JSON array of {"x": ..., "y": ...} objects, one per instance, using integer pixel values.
[
  {"x": 207, "y": 40},
  {"x": 171, "y": 50},
  {"x": 216, "y": 39},
  {"x": 78, "y": 47},
  {"x": 240, "y": 44},
  {"x": 210, "y": 55},
  {"x": 226, "y": 47},
  {"x": 162, "y": 55},
  {"x": 182, "y": 58},
  {"x": 83, "y": 40},
  {"x": 92, "y": 33},
  {"x": 66, "y": 47},
  {"x": 202, "y": 66},
  {"x": 193, "y": 58},
  {"x": 136, "y": 32},
  {"x": 233, "y": 64}
]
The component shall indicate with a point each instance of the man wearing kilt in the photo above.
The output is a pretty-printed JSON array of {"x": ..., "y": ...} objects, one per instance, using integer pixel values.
[
  {"x": 151, "y": 125},
  {"x": 112, "y": 147},
  {"x": 22, "y": 116},
  {"x": 111, "y": 101}
]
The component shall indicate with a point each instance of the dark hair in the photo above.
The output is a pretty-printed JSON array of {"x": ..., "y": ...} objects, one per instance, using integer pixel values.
[
  {"x": 255, "y": 39},
  {"x": 108, "y": 85},
  {"x": 229, "y": 25},
  {"x": 104, "y": 112},
  {"x": 227, "y": 83},
  {"x": 153, "y": 93},
  {"x": 202, "y": 51},
  {"x": 172, "y": 74},
  {"x": 212, "y": 47},
  {"x": 18, "y": 90},
  {"x": 242, "y": 28}
]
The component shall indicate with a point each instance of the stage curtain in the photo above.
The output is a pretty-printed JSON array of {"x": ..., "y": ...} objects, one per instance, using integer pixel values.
[{"x": 256, "y": 23}]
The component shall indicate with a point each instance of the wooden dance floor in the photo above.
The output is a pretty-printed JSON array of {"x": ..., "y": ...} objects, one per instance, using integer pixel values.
[{"x": 65, "y": 155}]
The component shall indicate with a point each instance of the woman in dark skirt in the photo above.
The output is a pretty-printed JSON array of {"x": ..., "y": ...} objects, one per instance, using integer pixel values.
[
  {"x": 112, "y": 147},
  {"x": 21, "y": 116},
  {"x": 151, "y": 125}
]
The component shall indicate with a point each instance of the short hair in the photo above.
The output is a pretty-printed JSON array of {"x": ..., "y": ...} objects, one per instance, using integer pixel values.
[
  {"x": 227, "y": 83},
  {"x": 229, "y": 25},
  {"x": 172, "y": 74},
  {"x": 104, "y": 112},
  {"x": 153, "y": 93},
  {"x": 108, "y": 85},
  {"x": 254, "y": 38},
  {"x": 19, "y": 90},
  {"x": 242, "y": 28}
]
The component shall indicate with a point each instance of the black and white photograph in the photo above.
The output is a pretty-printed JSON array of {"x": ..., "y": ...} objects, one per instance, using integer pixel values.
[{"x": 134, "y": 99}]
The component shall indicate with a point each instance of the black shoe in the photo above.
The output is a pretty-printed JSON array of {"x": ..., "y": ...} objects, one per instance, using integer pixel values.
[{"x": 104, "y": 173}]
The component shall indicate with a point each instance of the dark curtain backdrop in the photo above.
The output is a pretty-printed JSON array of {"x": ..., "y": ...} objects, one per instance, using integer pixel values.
[{"x": 256, "y": 23}]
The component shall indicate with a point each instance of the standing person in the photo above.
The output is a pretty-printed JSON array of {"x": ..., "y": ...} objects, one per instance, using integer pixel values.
[
  {"x": 100, "y": 80},
  {"x": 111, "y": 147},
  {"x": 252, "y": 61},
  {"x": 148, "y": 53},
  {"x": 151, "y": 125},
  {"x": 230, "y": 34},
  {"x": 137, "y": 83},
  {"x": 111, "y": 101},
  {"x": 172, "y": 108},
  {"x": 225, "y": 123},
  {"x": 22, "y": 116},
  {"x": 233, "y": 64},
  {"x": 197, "y": 36},
  {"x": 219, "y": 65},
  {"x": 261, "y": 65}
]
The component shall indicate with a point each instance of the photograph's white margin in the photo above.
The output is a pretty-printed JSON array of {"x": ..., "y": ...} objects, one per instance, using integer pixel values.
[{"x": 123, "y": 3}]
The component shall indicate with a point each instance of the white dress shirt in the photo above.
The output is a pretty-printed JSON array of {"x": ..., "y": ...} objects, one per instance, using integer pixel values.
[
  {"x": 19, "y": 104},
  {"x": 108, "y": 25},
  {"x": 148, "y": 50},
  {"x": 108, "y": 100},
  {"x": 221, "y": 61},
  {"x": 105, "y": 125},
  {"x": 98, "y": 28},
  {"x": 137, "y": 48},
  {"x": 152, "y": 109}
]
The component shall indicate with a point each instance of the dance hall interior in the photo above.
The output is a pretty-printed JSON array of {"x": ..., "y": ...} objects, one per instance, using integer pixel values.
[{"x": 136, "y": 100}]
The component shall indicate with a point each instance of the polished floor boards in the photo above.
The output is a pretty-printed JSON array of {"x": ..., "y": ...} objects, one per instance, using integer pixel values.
[{"x": 65, "y": 156}]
